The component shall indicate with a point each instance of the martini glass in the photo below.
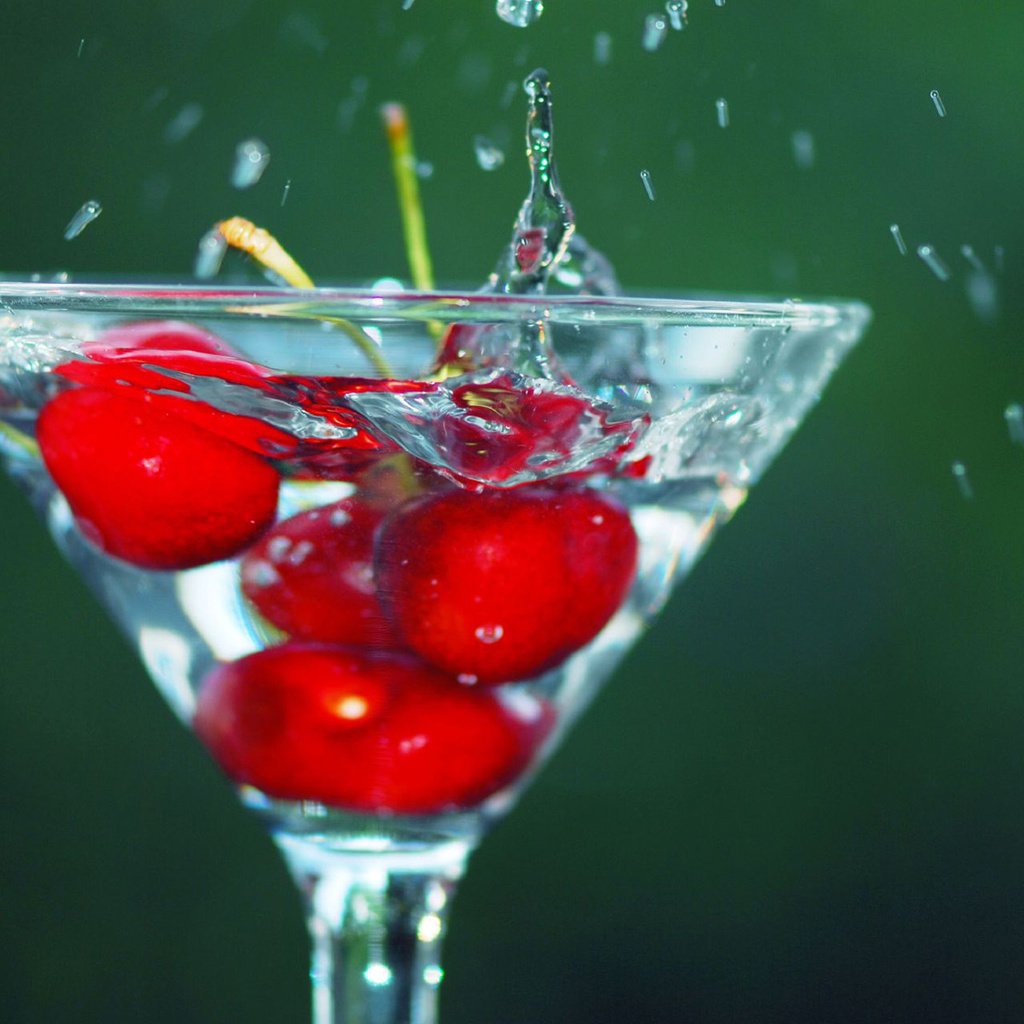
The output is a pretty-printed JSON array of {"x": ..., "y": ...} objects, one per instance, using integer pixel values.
[{"x": 379, "y": 548}]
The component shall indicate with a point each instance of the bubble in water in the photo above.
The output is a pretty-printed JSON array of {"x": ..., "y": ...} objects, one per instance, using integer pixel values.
[
  {"x": 519, "y": 12},
  {"x": 722, "y": 112},
  {"x": 897, "y": 235},
  {"x": 933, "y": 261},
  {"x": 184, "y": 123},
  {"x": 286, "y": 190},
  {"x": 940, "y": 107},
  {"x": 803, "y": 149},
  {"x": 676, "y": 11},
  {"x": 962, "y": 481},
  {"x": 251, "y": 159},
  {"x": 488, "y": 155},
  {"x": 602, "y": 48},
  {"x": 210, "y": 255},
  {"x": 645, "y": 177},
  {"x": 655, "y": 28},
  {"x": 1015, "y": 422},
  {"x": 86, "y": 214}
]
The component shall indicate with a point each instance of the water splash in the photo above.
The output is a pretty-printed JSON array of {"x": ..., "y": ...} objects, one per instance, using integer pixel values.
[
  {"x": 722, "y": 112},
  {"x": 655, "y": 30},
  {"x": 933, "y": 261},
  {"x": 85, "y": 215},
  {"x": 519, "y": 12},
  {"x": 489, "y": 157},
  {"x": 251, "y": 159},
  {"x": 897, "y": 237},
  {"x": 645, "y": 177},
  {"x": 545, "y": 223},
  {"x": 962, "y": 480},
  {"x": 940, "y": 107}
]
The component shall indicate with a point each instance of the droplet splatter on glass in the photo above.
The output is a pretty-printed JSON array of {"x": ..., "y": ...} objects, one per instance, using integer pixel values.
[
  {"x": 933, "y": 261},
  {"x": 251, "y": 159},
  {"x": 897, "y": 237},
  {"x": 86, "y": 214}
]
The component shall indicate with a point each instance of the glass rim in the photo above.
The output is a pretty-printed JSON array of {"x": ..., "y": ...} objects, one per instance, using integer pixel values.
[{"x": 396, "y": 303}]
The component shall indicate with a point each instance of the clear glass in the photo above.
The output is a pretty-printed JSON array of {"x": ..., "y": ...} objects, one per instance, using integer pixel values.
[{"x": 379, "y": 548}]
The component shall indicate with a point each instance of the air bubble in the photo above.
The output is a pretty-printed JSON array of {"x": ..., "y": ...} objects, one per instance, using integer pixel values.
[{"x": 86, "y": 214}]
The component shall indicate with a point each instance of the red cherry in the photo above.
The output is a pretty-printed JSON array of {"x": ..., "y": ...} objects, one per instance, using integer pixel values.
[
  {"x": 148, "y": 486},
  {"x": 505, "y": 584},
  {"x": 312, "y": 575},
  {"x": 364, "y": 730}
]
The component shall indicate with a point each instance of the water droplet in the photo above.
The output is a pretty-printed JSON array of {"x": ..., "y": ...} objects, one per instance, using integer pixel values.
[
  {"x": 999, "y": 255},
  {"x": 489, "y": 634},
  {"x": 676, "y": 11},
  {"x": 278, "y": 548},
  {"x": 407, "y": 5},
  {"x": 933, "y": 261},
  {"x": 300, "y": 552},
  {"x": 210, "y": 255},
  {"x": 86, "y": 214},
  {"x": 655, "y": 29},
  {"x": 686, "y": 156},
  {"x": 719, "y": 3},
  {"x": 183, "y": 124},
  {"x": 287, "y": 189},
  {"x": 1015, "y": 422},
  {"x": 960, "y": 475},
  {"x": 424, "y": 170},
  {"x": 722, "y": 112},
  {"x": 940, "y": 107},
  {"x": 968, "y": 253},
  {"x": 251, "y": 159},
  {"x": 803, "y": 149},
  {"x": 519, "y": 12},
  {"x": 983, "y": 295},
  {"x": 155, "y": 98},
  {"x": 81, "y": 47},
  {"x": 645, "y": 177},
  {"x": 897, "y": 235},
  {"x": 488, "y": 155},
  {"x": 602, "y": 48}
]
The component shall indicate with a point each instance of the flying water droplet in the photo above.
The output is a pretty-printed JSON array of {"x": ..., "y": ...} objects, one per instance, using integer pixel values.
[
  {"x": 424, "y": 170},
  {"x": 722, "y": 112},
  {"x": 968, "y": 253},
  {"x": 287, "y": 189},
  {"x": 655, "y": 29},
  {"x": 999, "y": 255},
  {"x": 686, "y": 156},
  {"x": 676, "y": 11},
  {"x": 933, "y": 261},
  {"x": 519, "y": 12},
  {"x": 962, "y": 481},
  {"x": 81, "y": 47},
  {"x": 210, "y": 255},
  {"x": 407, "y": 5},
  {"x": 719, "y": 3},
  {"x": 1015, "y": 422},
  {"x": 983, "y": 295},
  {"x": 602, "y": 48},
  {"x": 251, "y": 159},
  {"x": 897, "y": 235},
  {"x": 184, "y": 123},
  {"x": 489, "y": 156},
  {"x": 803, "y": 149},
  {"x": 645, "y": 177},
  {"x": 86, "y": 214},
  {"x": 940, "y": 107}
]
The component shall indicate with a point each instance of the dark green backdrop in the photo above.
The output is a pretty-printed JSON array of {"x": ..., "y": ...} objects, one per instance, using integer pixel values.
[{"x": 801, "y": 799}]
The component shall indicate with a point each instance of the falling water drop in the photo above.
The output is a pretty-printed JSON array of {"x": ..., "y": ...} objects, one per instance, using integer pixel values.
[
  {"x": 933, "y": 261},
  {"x": 602, "y": 48},
  {"x": 488, "y": 156},
  {"x": 676, "y": 11},
  {"x": 251, "y": 159},
  {"x": 519, "y": 12},
  {"x": 287, "y": 189},
  {"x": 645, "y": 177},
  {"x": 897, "y": 235},
  {"x": 719, "y": 3},
  {"x": 184, "y": 123},
  {"x": 940, "y": 107},
  {"x": 962, "y": 481},
  {"x": 722, "y": 112},
  {"x": 803, "y": 149},
  {"x": 968, "y": 253},
  {"x": 999, "y": 255},
  {"x": 407, "y": 5},
  {"x": 210, "y": 255},
  {"x": 86, "y": 214},
  {"x": 81, "y": 46},
  {"x": 1015, "y": 422},
  {"x": 655, "y": 28}
]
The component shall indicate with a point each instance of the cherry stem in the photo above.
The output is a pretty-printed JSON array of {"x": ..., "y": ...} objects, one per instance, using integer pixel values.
[
  {"x": 376, "y": 920},
  {"x": 403, "y": 167},
  {"x": 19, "y": 439}
]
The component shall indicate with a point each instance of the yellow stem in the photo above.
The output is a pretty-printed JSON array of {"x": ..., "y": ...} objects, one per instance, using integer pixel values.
[
  {"x": 263, "y": 247},
  {"x": 403, "y": 166},
  {"x": 21, "y": 440}
]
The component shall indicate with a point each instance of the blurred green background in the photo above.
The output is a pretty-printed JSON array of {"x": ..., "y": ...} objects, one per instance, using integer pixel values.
[{"x": 801, "y": 799}]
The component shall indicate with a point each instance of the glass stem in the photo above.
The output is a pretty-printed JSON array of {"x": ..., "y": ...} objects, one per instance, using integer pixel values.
[{"x": 376, "y": 921}]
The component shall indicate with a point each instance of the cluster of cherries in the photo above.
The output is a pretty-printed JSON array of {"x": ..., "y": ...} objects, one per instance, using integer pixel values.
[{"x": 402, "y": 608}]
